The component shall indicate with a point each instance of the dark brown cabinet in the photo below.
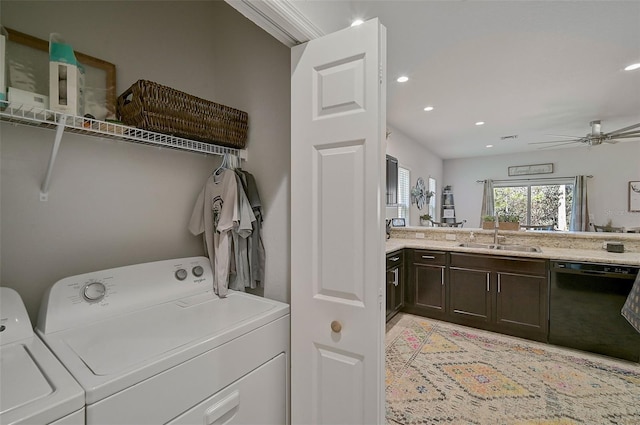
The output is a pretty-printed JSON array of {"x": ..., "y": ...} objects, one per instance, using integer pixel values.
[
  {"x": 426, "y": 288},
  {"x": 469, "y": 292},
  {"x": 395, "y": 283},
  {"x": 501, "y": 294},
  {"x": 392, "y": 180}
]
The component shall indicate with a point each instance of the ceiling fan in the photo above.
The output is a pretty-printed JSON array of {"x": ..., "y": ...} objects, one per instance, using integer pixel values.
[{"x": 596, "y": 137}]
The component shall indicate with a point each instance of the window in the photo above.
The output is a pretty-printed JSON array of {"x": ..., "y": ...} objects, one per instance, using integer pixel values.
[
  {"x": 404, "y": 193},
  {"x": 432, "y": 201},
  {"x": 538, "y": 203}
]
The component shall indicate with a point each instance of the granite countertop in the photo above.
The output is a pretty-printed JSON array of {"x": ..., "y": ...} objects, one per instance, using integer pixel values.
[{"x": 551, "y": 253}]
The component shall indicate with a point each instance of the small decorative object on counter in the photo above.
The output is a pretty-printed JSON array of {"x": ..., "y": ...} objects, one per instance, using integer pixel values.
[
  {"x": 154, "y": 107},
  {"x": 425, "y": 220}
]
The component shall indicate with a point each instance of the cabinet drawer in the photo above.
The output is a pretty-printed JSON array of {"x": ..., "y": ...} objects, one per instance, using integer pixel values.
[
  {"x": 395, "y": 259},
  {"x": 429, "y": 257}
]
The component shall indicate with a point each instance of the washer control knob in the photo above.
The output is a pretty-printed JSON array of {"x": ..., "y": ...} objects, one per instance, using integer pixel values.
[
  {"x": 197, "y": 271},
  {"x": 94, "y": 291},
  {"x": 181, "y": 274}
]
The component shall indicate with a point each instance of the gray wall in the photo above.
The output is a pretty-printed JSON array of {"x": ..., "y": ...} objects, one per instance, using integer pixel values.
[
  {"x": 116, "y": 203},
  {"x": 421, "y": 162},
  {"x": 612, "y": 167}
]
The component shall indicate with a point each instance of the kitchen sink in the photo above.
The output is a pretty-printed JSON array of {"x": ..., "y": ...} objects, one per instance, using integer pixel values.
[
  {"x": 506, "y": 247},
  {"x": 521, "y": 248},
  {"x": 478, "y": 245}
]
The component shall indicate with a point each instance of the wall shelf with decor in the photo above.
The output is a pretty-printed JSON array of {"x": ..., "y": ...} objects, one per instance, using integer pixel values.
[{"x": 44, "y": 118}]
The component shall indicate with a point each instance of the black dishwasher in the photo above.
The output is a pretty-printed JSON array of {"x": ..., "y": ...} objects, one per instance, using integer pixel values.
[{"x": 584, "y": 308}]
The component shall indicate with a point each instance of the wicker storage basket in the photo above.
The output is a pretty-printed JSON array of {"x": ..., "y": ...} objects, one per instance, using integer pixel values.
[{"x": 151, "y": 106}]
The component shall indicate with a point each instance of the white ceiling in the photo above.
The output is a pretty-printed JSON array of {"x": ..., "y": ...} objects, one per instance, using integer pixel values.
[{"x": 525, "y": 68}]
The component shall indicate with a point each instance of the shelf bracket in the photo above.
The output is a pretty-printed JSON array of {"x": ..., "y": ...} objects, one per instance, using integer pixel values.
[{"x": 44, "y": 189}]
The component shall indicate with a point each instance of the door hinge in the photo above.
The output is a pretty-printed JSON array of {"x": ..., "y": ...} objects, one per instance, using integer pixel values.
[
  {"x": 380, "y": 73},
  {"x": 380, "y": 294}
]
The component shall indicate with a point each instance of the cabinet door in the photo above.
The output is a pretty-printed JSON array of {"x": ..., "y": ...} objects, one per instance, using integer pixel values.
[
  {"x": 389, "y": 294},
  {"x": 395, "y": 291},
  {"x": 521, "y": 302},
  {"x": 429, "y": 289},
  {"x": 392, "y": 180},
  {"x": 469, "y": 296},
  {"x": 398, "y": 289}
]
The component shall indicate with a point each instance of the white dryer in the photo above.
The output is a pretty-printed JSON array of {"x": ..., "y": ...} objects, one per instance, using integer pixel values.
[
  {"x": 34, "y": 387},
  {"x": 152, "y": 344}
]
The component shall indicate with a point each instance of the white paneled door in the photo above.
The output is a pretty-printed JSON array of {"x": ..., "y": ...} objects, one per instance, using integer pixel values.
[{"x": 338, "y": 96}]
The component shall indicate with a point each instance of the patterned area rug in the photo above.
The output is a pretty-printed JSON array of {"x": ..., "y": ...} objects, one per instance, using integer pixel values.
[{"x": 440, "y": 373}]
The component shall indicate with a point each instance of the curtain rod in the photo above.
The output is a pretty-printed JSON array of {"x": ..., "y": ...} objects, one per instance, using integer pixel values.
[{"x": 539, "y": 178}]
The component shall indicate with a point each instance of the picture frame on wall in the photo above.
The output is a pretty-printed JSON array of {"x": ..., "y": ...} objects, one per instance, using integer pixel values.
[{"x": 634, "y": 196}]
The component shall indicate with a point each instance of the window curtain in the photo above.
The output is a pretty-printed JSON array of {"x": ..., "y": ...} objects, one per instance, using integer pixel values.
[
  {"x": 487, "y": 200},
  {"x": 579, "y": 210}
]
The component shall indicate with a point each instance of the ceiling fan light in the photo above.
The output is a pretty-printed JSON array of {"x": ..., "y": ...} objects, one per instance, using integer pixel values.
[{"x": 633, "y": 67}]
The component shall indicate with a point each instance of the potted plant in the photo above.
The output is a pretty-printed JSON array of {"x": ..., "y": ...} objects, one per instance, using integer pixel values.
[
  {"x": 425, "y": 220},
  {"x": 506, "y": 221}
]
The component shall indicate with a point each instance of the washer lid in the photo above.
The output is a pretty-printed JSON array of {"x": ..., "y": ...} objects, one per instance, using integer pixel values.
[
  {"x": 113, "y": 346},
  {"x": 108, "y": 356},
  {"x": 22, "y": 380},
  {"x": 35, "y": 387}
]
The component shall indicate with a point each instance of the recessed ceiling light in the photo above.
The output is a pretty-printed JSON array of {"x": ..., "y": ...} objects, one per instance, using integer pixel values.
[
  {"x": 428, "y": 108},
  {"x": 403, "y": 79},
  {"x": 489, "y": 146},
  {"x": 632, "y": 67},
  {"x": 480, "y": 123},
  {"x": 357, "y": 22}
]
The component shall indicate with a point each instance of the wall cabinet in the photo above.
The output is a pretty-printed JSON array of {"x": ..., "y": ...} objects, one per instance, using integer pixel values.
[
  {"x": 502, "y": 294},
  {"x": 426, "y": 289},
  {"x": 392, "y": 180},
  {"x": 395, "y": 283}
]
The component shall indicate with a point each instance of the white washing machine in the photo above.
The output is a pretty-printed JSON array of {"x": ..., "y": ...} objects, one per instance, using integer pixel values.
[
  {"x": 34, "y": 387},
  {"x": 152, "y": 344}
]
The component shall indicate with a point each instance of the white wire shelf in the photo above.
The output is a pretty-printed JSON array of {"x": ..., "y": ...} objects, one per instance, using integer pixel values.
[{"x": 45, "y": 118}]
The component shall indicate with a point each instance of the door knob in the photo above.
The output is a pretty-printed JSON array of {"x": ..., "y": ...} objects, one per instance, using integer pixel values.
[{"x": 336, "y": 326}]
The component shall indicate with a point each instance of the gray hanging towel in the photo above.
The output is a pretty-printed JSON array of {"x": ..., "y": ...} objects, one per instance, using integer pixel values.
[{"x": 631, "y": 307}]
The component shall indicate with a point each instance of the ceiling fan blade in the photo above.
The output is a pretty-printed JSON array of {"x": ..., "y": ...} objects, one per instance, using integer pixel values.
[
  {"x": 623, "y": 130},
  {"x": 557, "y": 141},
  {"x": 626, "y": 135},
  {"x": 611, "y": 141},
  {"x": 558, "y": 145},
  {"x": 562, "y": 135}
]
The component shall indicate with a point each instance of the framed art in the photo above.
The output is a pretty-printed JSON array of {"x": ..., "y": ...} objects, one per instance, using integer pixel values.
[
  {"x": 634, "y": 196},
  {"x": 398, "y": 222},
  {"x": 524, "y": 170},
  {"x": 28, "y": 69}
]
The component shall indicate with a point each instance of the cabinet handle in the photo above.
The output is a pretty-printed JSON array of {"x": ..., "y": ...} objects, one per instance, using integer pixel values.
[
  {"x": 487, "y": 282},
  {"x": 442, "y": 276},
  {"x": 394, "y": 258},
  {"x": 395, "y": 277},
  {"x": 428, "y": 257},
  {"x": 498, "y": 283},
  {"x": 336, "y": 326}
]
